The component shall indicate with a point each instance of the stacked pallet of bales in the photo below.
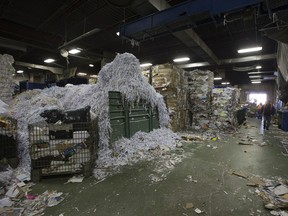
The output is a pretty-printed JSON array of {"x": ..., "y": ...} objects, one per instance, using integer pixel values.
[
  {"x": 170, "y": 82},
  {"x": 200, "y": 85},
  {"x": 225, "y": 104},
  {"x": 6, "y": 82}
]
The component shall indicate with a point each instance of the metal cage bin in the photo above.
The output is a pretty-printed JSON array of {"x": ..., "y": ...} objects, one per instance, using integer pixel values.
[
  {"x": 62, "y": 149},
  {"x": 8, "y": 141}
]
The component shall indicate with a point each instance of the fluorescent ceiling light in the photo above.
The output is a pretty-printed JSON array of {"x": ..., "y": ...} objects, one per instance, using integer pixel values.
[
  {"x": 82, "y": 74},
  {"x": 145, "y": 64},
  {"x": 225, "y": 83},
  {"x": 217, "y": 78},
  {"x": 255, "y": 72},
  {"x": 74, "y": 51},
  {"x": 93, "y": 76},
  {"x": 118, "y": 33},
  {"x": 49, "y": 60},
  {"x": 198, "y": 64},
  {"x": 252, "y": 49},
  {"x": 183, "y": 59},
  {"x": 257, "y": 76},
  {"x": 20, "y": 71},
  {"x": 91, "y": 65},
  {"x": 258, "y": 67},
  {"x": 256, "y": 82}
]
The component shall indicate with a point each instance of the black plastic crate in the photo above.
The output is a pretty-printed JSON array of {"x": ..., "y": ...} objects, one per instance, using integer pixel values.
[
  {"x": 62, "y": 149},
  {"x": 8, "y": 141}
]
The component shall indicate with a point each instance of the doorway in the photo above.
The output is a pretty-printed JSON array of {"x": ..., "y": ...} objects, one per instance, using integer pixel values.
[{"x": 258, "y": 98}]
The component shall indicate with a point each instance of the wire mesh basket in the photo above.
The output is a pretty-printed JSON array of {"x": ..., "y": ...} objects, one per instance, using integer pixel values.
[
  {"x": 62, "y": 149},
  {"x": 8, "y": 141}
]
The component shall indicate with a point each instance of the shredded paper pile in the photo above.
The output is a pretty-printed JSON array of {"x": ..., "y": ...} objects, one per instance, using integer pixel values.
[{"x": 123, "y": 75}]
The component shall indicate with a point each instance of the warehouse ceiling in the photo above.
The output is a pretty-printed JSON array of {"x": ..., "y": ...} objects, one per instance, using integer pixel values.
[{"x": 209, "y": 32}]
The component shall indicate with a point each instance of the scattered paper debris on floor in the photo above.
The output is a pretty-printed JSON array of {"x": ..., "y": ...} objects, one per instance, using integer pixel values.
[
  {"x": 192, "y": 137},
  {"x": 280, "y": 190},
  {"x": 189, "y": 178},
  {"x": 6, "y": 202},
  {"x": 257, "y": 181},
  {"x": 263, "y": 144},
  {"x": 240, "y": 174},
  {"x": 21, "y": 184},
  {"x": 274, "y": 193},
  {"x": 12, "y": 211},
  {"x": 189, "y": 205},
  {"x": 198, "y": 211},
  {"x": 279, "y": 213},
  {"x": 54, "y": 198},
  {"x": 14, "y": 192},
  {"x": 23, "y": 177},
  {"x": 75, "y": 179}
]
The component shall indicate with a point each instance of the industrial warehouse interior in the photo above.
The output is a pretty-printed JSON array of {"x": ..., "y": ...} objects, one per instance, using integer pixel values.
[{"x": 147, "y": 107}]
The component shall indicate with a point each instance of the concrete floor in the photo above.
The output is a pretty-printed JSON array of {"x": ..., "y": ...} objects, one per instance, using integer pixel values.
[{"x": 216, "y": 191}]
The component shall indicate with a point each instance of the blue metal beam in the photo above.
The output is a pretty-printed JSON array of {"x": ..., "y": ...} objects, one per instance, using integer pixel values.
[{"x": 183, "y": 11}]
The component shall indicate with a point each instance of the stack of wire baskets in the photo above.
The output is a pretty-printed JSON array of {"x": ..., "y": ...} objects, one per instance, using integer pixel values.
[
  {"x": 63, "y": 148},
  {"x": 8, "y": 141}
]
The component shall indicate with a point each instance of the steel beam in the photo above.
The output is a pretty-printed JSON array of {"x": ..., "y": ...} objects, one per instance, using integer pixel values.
[
  {"x": 87, "y": 34},
  {"x": 248, "y": 59},
  {"x": 12, "y": 44},
  {"x": 196, "y": 39},
  {"x": 181, "y": 12},
  {"x": 189, "y": 37},
  {"x": 54, "y": 70}
]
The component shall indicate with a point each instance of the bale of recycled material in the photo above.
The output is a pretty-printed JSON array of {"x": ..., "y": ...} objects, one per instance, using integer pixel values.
[
  {"x": 6, "y": 81},
  {"x": 170, "y": 82},
  {"x": 225, "y": 105},
  {"x": 200, "y": 85}
]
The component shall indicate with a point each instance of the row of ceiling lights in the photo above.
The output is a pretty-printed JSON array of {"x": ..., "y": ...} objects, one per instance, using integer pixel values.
[
  {"x": 176, "y": 60},
  {"x": 72, "y": 51},
  {"x": 79, "y": 74},
  {"x": 253, "y": 49},
  {"x": 240, "y": 51}
]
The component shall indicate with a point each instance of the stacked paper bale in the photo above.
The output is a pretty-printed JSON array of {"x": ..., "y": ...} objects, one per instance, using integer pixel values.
[
  {"x": 225, "y": 104},
  {"x": 200, "y": 85},
  {"x": 6, "y": 81},
  {"x": 170, "y": 82}
]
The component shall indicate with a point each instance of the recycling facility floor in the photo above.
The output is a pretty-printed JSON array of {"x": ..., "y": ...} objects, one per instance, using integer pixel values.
[{"x": 214, "y": 190}]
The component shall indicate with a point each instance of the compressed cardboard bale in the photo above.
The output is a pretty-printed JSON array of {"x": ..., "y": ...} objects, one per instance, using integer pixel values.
[
  {"x": 200, "y": 85},
  {"x": 170, "y": 82},
  {"x": 225, "y": 104}
]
